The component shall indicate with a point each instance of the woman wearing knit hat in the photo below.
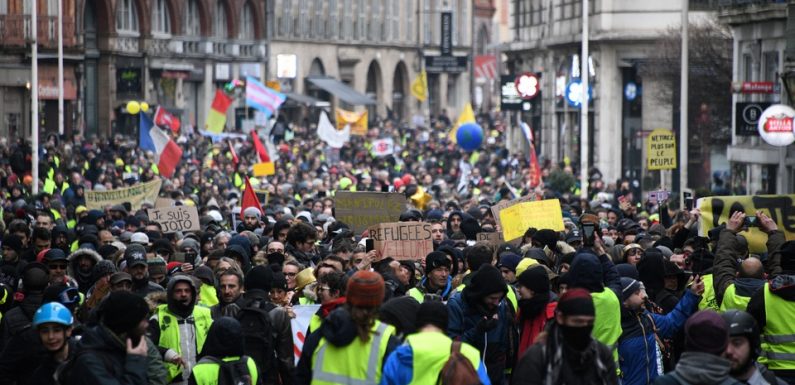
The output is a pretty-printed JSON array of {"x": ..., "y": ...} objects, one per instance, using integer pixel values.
[
  {"x": 351, "y": 345},
  {"x": 568, "y": 354}
]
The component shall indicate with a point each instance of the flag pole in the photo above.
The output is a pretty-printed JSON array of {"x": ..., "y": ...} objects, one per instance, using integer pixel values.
[{"x": 34, "y": 99}]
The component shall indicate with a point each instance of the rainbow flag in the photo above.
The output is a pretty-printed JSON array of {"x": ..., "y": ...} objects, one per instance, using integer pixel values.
[{"x": 216, "y": 118}]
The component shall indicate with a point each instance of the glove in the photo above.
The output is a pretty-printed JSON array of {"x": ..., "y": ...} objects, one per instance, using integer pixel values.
[{"x": 486, "y": 324}]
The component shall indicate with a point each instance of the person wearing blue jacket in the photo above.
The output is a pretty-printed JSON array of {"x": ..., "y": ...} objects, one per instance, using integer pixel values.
[
  {"x": 481, "y": 316},
  {"x": 639, "y": 354},
  {"x": 421, "y": 358}
]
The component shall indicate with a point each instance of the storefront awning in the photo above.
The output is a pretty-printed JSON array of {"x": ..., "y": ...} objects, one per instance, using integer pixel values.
[
  {"x": 306, "y": 100},
  {"x": 342, "y": 91}
]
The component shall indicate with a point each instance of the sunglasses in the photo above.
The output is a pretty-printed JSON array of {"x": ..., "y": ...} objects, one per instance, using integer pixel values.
[
  {"x": 57, "y": 266},
  {"x": 69, "y": 296}
]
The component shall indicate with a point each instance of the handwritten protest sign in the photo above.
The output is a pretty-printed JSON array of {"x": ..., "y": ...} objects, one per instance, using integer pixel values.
[
  {"x": 300, "y": 324},
  {"x": 499, "y": 206},
  {"x": 490, "y": 238},
  {"x": 164, "y": 202},
  {"x": 360, "y": 210},
  {"x": 661, "y": 150},
  {"x": 402, "y": 240},
  {"x": 718, "y": 210},
  {"x": 178, "y": 218},
  {"x": 136, "y": 195},
  {"x": 518, "y": 218}
]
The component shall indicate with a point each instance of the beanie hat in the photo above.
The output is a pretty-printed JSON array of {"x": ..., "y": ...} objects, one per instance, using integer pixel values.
[
  {"x": 260, "y": 277},
  {"x": 204, "y": 274},
  {"x": 105, "y": 251},
  {"x": 629, "y": 286},
  {"x": 435, "y": 260},
  {"x": 400, "y": 312},
  {"x": 546, "y": 237},
  {"x": 534, "y": 278},
  {"x": 365, "y": 289},
  {"x": 706, "y": 332},
  {"x": 54, "y": 255},
  {"x": 122, "y": 311},
  {"x": 487, "y": 280},
  {"x": 627, "y": 270},
  {"x": 432, "y": 313},
  {"x": 35, "y": 277},
  {"x": 103, "y": 268},
  {"x": 157, "y": 266},
  {"x": 189, "y": 243},
  {"x": 252, "y": 212},
  {"x": 576, "y": 302},
  {"x": 13, "y": 242},
  {"x": 509, "y": 261}
]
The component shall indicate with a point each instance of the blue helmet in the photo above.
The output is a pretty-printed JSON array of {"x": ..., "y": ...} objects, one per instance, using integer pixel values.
[{"x": 53, "y": 312}]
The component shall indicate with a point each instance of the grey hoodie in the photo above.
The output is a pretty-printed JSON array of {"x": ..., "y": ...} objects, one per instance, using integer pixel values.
[{"x": 703, "y": 369}]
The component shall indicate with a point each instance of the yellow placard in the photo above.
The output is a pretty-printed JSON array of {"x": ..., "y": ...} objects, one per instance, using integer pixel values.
[
  {"x": 357, "y": 121},
  {"x": 661, "y": 150},
  {"x": 264, "y": 169},
  {"x": 718, "y": 210},
  {"x": 518, "y": 218}
]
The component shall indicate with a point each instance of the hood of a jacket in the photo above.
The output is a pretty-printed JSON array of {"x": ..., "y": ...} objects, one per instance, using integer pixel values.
[
  {"x": 224, "y": 339},
  {"x": 449, "y": 217},
  {"x": 470, "y": 227},
  {"x": 651, "y": 270},
  {"x": 746, "y": 287},
  {"x": 173, "y": 305},
  {"x": 586, "y": 272},
  {"x": 339, "y": 328},
  {"x": 73, "y": 270},
  {"x": 783, "y": 286},
  {"x": 702, "y": 368}
]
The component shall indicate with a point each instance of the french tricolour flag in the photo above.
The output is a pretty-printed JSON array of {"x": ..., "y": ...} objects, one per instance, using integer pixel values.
[
  {"x": 263, "y": 98},
  {"x": 152, "y": 138}
]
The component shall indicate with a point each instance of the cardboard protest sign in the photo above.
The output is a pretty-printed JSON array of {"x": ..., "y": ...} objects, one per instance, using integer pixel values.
[
  {"x": 661, "y": 150},
  {"x": 178, "y": 218},
  {"x": 490, "y": 238},
  {"x": 718, "y": 210},
  {"x": 136, "y": 195},
  {"x": 402, "y": 240},
  {"x": 360, "y": 210},
  {"x": 499, "y": 206},
  {"x": 518, "y": 218},
  {"x": 164, "y": 202},
  {"x": 300, "y": 324}
]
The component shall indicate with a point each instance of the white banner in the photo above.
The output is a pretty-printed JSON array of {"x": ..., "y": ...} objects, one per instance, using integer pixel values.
[
  {"x": 329, "y": 134},
  {"x": 300, "y": 324}
]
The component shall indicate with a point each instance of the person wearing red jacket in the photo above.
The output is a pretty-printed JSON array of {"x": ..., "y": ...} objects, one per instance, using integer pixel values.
[{"x": 536, "y": 306}]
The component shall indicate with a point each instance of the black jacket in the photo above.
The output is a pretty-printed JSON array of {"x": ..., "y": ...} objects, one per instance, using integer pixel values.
[{"x": 101, "y": 359}]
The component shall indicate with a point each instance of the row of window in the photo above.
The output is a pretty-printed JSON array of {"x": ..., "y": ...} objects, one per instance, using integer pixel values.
[
  {"x": 528, "y": 13},
  {"x": 127, "y": 19}
]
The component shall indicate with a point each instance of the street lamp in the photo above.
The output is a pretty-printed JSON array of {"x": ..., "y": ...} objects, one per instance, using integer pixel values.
[{"x": 788, "y": 78}]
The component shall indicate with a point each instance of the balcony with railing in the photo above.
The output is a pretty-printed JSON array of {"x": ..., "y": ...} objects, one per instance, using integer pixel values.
[
  {"x": 747, "y": 11},
  {"x": 17, "y": 30}
]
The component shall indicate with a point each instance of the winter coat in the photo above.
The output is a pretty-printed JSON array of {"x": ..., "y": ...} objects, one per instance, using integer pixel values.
[
  {"x": 111, "y": 365},
  {"x": 84, "y": 279},
  {"x": 697, "y": 368},
  {"x": 638, "y": 351}
]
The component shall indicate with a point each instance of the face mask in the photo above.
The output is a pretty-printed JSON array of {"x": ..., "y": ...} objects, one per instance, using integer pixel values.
[
  {"x": 530, "y": 308},
  {"x": 578, "y": 337}
]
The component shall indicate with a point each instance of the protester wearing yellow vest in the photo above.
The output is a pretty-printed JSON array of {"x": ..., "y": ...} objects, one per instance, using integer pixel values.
[
  {"x": 224, "y": 347},
  {"x": 421, "y": 359},
  {"x": 180, "y": 328},
  {"x": 351, "y": 345},
  {"x": 437, "y": 281},
  {"x": 735, "y": 285}
]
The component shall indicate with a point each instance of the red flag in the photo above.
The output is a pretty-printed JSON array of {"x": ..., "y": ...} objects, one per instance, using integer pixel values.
[
  {"x": 263, "y": 154},
  {"x": 235, "y": 159},
  {"x": 249, "y": 200},
  {"x": 163, "y": 118},
  {"x": 535, "y": 168}
]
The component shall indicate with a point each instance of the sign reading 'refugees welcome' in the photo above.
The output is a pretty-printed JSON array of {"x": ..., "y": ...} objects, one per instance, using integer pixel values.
[{"x": 402, "y": 240}]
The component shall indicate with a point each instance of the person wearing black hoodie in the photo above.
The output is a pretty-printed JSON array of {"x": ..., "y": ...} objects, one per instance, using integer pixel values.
[
  {"x": 454, "y": 221},
  {"x": 224, "y": 345},
  {"x": 280, "y": 369}
]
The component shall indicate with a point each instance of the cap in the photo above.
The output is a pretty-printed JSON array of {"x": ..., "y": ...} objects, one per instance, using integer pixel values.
[
  {"x": 135, "y": 254},
  {"x": 119, "y": 277},
  {"x": 140, "y": 238}
]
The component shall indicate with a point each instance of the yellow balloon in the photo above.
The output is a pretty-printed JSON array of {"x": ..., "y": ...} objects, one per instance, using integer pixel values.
[
  {"x": 133, "y": 107},
  {"x": 144, "y": 106}
]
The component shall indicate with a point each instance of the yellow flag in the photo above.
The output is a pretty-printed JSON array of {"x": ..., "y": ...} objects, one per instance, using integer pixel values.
[
  {"x": 466, "y": 116},
  {"x": 357, "y": 121},
  {"x": 419, "y": 87}
]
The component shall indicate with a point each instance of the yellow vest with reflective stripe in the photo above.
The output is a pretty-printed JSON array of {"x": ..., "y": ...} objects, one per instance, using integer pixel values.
[
  {"x": 169, "y": 333},
  {"x": 208, "y": 296},
  {"x": 314, "y": 323},
  {"x": 708, "y": 300},
  {"x": 431, "y": 351},
  {"x": 416, "y": 294},
  {"x": 778, "y": 336},
  {"x": 359, "y": 363},
  {"x": 731, "y": 300},
  {"x": 607, "y": 323},
  {"x": 206, "y": 372}
]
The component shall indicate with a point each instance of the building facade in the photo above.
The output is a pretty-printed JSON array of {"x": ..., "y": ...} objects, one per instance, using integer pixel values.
[
  {"x": 759, "y": 30},
  {"x": 623, "y": 33}
]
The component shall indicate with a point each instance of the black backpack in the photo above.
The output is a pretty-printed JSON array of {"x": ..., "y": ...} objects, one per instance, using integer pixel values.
[
  {"x": 231, "y": 372},
  {"x": 258, "y": 334}
]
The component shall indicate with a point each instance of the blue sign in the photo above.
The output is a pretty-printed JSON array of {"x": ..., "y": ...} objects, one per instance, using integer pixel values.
[
  {"x": 574, "y": 93},
  {"x": 631, "y": 91}
]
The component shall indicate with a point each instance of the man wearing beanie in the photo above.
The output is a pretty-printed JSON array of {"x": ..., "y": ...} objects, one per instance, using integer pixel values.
[
  {"x": 119, "y": 342},
  {"x": 251, "y": 220},
  {"x": 536, "y": 306},
  {"x": 138, "y": 268},
  {"x": 702, "y": 363},
  {"x": 481, "y": 316},
  {"x": 437, "y": 281},
  {"x": 641, "y": 329},
  {"x": 157, "y": 271},
  {"x": 351, "y": 344},
  {"x": 257, "y": 284},
  {"x": 180, "y": 328},
  {"x": 12, "y": 249},
  {"x": 567, "y": 354},
  {"x": 422, "y": 357}
]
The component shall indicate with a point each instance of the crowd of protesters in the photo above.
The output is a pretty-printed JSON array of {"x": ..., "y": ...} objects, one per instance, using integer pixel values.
[{"x": 105, "y": 296}]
